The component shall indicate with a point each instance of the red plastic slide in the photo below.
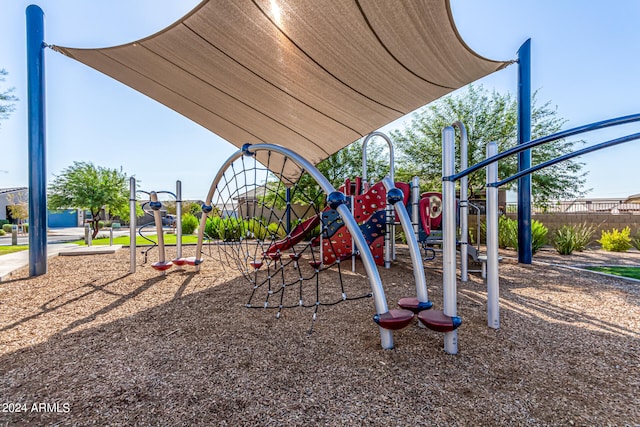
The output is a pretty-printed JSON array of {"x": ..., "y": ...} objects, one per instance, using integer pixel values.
[{"x": 295, "y": 236}]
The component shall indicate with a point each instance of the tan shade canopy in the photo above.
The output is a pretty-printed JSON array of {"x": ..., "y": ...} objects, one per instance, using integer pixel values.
[{"x": 311, "y": 75}]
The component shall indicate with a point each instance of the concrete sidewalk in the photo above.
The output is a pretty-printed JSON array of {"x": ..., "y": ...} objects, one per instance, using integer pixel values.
[
  {"x": 63, "y": 235},
  {"x": 12, "y": 262}
]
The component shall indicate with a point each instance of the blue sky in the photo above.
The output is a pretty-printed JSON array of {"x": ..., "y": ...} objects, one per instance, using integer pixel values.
[{"x": 585, "y": 58}]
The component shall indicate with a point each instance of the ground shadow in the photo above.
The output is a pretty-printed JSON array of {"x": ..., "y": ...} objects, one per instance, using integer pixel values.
[{"x": 200, "y": 358}]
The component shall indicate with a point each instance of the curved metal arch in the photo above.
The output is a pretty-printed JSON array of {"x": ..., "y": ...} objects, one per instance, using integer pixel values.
[
  {"x": 464, "y": 201},
  {"x": 375, "y": 281},
  {"x": 389, "y": 243},
  {"x": 364, "y": 154}
]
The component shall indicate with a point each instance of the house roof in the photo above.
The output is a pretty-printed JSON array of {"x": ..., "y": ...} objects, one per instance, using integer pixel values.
[
  {"x": 253, "y": 194},
  {"x": 310, "y": 75},
  {"x": 633, "y": 199},
  {"x": 12, "y": 190}
]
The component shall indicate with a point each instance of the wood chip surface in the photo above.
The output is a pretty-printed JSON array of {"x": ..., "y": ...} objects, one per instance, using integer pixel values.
[{"x": 90, "y": 344}]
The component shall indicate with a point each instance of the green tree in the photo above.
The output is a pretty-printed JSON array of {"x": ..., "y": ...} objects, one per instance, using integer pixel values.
[
  {"x": 488, "y": 116},
  {"x": 192, "y": 207},
  {"x": 18, "y": 206},
  {"x": 85, "y": 186},
  {"x": 347, "y": 163},
  {"x": 7, "y": 99}
]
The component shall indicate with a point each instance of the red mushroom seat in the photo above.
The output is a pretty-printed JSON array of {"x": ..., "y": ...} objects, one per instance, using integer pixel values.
[
  {"x": 394, "y": 319},
  {"x": 437, "y": 321},
  {"x": 162, "y": 266},
  {"x": 413, "y": 304}
]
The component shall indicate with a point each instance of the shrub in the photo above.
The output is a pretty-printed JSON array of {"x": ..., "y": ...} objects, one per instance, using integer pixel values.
[
  {"x": 25, "y": 228},
  {"x": 564, "y": 240},
  {"x": 232, "y": 229},
  {"x": 584, "y": 234},
  {"x": 508, "y": 234},
  {"x": 615, "y": 240},
  {"x": 277, "y": 230},
  {"x": 257, "y": 229},
  {"x": 189, "y": 223},
  {"x": 2, "y": 232},
  {"x": 227, "y": 229},
  {"x": 635, "y": 241},
  {"x": 538, "y": 235},
  {"x": 211, "y": 227},
  {"x": 3, "y": 222},
  {"x": 475, "y": 233},
  {"x": 6, "y": 228}
]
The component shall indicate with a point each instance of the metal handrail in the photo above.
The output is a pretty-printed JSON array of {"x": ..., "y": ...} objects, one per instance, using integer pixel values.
[
  {"x": 534, "y": 143},
  {"x": 568, "y": 156}
]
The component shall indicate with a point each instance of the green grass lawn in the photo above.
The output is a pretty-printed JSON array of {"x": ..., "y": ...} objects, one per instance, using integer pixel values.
[
  {"x": 169, "y": 239},
  {"x": 631, "y": 272},
  {"x": 4, "y": 250}
]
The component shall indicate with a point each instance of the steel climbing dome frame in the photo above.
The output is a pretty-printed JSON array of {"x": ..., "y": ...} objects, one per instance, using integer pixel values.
[{"x": 336, "y": 200}]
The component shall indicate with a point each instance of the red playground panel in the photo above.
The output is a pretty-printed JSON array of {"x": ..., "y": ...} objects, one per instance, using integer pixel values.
[
  {"x": 370, "y": 202},
  {"x": 435, "y": 208},
  {"x": 338, "y": 246},
  {"x": 369, "y": 210}
]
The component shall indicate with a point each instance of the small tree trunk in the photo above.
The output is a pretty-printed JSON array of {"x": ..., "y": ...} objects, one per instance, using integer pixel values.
[{"x": 95, "y": 224}]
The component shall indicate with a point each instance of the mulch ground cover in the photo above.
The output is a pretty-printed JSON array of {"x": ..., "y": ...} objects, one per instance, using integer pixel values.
[{"x": 90, "y": 344}]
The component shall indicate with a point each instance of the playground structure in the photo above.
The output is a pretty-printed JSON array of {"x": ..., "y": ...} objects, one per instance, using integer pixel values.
[
  {"x": 449, "y": 177},
  {"x": 353, "y": 225},
  {"x": 377, "y": 218},
  {"x": 254, "y": 233},
  {"x": 152, "y": 207},
  {"x": 174, "y": 78}
]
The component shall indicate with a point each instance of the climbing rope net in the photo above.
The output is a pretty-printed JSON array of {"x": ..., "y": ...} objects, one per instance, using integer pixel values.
[{"x": 268, "y": 220}]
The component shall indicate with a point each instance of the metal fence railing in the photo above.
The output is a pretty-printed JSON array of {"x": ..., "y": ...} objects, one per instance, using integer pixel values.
[{"x": 581, "y": 207}]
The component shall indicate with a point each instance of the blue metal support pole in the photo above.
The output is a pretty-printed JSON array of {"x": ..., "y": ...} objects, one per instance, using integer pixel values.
[
  {"x": 37, "y": 143},
  {"x": 525, "y": 252}
]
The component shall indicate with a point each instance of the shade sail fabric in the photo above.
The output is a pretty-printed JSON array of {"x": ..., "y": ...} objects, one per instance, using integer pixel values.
[{"x": 311, "y": 75}]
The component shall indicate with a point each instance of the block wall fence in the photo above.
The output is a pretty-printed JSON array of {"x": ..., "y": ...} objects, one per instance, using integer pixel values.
[{"x": 554, "y": 221}]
